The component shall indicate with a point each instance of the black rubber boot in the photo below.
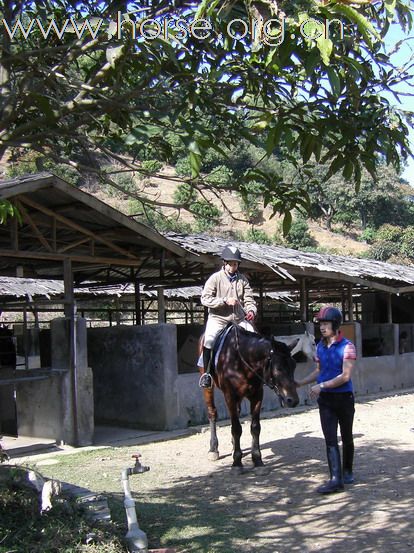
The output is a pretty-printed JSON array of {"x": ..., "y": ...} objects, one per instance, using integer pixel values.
[
  {"x": 335, "y": 484},
  {"x": 348, "y": 461},
  {"x": 205, "y": 379}
]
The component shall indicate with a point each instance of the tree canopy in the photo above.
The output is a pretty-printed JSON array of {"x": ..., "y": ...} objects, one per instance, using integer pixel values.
[{"x": 87, "y": 83}]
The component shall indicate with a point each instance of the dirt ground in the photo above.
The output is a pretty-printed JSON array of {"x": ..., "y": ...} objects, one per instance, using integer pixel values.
[{"x": 197, "y": 505}]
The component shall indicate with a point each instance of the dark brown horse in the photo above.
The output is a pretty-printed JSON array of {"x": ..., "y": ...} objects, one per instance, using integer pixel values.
[{"x": 246, "y": 363}]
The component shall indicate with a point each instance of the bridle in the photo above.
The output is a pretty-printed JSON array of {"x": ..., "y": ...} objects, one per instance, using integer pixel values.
[{"x": 271, "y": 385}]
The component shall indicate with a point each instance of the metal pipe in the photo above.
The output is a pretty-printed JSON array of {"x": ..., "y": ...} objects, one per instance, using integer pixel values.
[{"x": 135, "y": 537}]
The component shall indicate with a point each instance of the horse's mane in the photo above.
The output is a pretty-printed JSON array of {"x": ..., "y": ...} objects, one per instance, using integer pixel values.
[{"x": 249, "y": 333}]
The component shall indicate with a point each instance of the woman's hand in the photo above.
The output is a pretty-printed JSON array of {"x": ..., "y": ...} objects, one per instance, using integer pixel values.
[
  {"x": 315, "y": 391},
  {"x": 249, "y": 316}
]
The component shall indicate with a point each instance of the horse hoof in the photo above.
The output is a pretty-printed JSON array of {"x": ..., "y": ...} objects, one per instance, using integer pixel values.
[
  {"x": 213, "y": 456},
  {"x": 237, "y": 469}
]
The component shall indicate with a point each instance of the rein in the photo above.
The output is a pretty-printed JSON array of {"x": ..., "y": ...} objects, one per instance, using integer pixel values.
[{"x": 251, "y": 369}]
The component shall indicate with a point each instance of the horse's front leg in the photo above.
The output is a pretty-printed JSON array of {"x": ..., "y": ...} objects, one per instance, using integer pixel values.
[
  {"x": 236, "y": 431},
  {"x": 255, "y": 407},
  {"x": 208, "y": 394}
]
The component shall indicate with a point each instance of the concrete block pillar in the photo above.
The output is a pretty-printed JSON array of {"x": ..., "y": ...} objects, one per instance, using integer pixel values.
[{"x": 69, "y": 353}]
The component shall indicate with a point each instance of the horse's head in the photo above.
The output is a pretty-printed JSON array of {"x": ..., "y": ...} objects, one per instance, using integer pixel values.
[
  {"x": 308, "y": 346},
  {"x": 303, "y": 344},
  {"x": 281, "y": 374}
]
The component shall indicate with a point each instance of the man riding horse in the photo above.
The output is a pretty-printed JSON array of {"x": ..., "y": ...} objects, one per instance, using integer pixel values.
[{"x": 229, "y": 298}]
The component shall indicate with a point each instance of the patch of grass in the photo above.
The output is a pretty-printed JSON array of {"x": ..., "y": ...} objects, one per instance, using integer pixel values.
[{"x": 62, "y": 530}]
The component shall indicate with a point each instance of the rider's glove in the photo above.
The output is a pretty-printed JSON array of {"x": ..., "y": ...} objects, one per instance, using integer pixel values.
[{"x": 250, "y": 316}]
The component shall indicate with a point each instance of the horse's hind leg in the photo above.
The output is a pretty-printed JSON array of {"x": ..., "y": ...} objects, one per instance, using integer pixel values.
[
  {"x": 208, "y": 393},
  {"x": 255, "y": 407}
]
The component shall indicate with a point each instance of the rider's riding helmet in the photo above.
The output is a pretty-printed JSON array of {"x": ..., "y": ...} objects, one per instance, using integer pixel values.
[
  {"x": 230, "y": 253},
  {"x": 330, "y": 313}
]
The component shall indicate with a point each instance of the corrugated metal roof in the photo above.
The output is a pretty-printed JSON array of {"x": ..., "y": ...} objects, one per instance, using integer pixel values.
[
  {"x": 298, "y": 262},
  {"x": 36, "y": 288}
]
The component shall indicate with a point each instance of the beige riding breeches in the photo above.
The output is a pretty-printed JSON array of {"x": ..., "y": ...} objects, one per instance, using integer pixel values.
[{"x": 214, "y": 326}]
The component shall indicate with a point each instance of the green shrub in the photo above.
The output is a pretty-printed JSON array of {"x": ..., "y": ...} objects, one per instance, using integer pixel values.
[
  {"x": 32, "y": 163},
  {"x": 389, "y": 233},
  {"x": 151, "y": 166},
  {"x": 221, "y": 176},
  {"x": 125, "y": 181},
  {"x": 407, "y": 244},
  {"x": 298, "y": 236},
  {"x": 368, "y": 235},
  {"x": 257, "y": 236},
  {"x": 207, "y": 216},
  {"x": 251, "y": 194},
  {"x": 185, "y": 194},
  {"x": 382, "y": 250},
  {"x": 183, "y": 167}
]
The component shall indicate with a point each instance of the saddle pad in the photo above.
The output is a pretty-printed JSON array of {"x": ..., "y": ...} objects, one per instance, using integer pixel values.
[{"x": 219, "y": 342}]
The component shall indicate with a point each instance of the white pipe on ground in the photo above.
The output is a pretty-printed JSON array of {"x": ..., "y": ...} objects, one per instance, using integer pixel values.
[{"x": 136, "y": 538}]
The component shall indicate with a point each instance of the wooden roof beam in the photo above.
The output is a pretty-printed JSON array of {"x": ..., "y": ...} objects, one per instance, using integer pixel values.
[
  {"x": 33, "y": 226},
  {"x": 349, "y": 278},
  {"x": 76, "y": 227},
  {"x": 77, "y": 258}
]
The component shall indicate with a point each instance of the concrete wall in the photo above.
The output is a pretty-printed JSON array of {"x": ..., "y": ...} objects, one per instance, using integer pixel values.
[
  {"x": 135, "y": 376},
  {"x": 60, "y": 407},
  {"x": 382, "y": 373},
  {"x": 137, "y": 383},
  {"x": 39, "y": 408}
]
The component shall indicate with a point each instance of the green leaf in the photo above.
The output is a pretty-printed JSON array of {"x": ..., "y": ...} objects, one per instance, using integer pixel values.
[
  {"x": 195, "y": 163},
  {"x": 194, "y": 147},
  {"x": 336, "y": 164},
  {"x": 390, "y": 9},
  {"x": 273, "y": 138},
  {"x": 348, "y": 169},
  {"x": 287, "y": 223},
  {"x": 365, "y": 27},
  {"x": 334, "y": 80},
  {"x": 325, "y": 47}
]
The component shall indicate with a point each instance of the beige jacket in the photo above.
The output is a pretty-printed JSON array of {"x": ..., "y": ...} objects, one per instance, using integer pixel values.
[{"x": 218, "y": 288}]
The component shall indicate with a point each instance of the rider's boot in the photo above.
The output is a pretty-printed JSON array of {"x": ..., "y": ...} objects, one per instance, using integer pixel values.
[
  {"x": 205, "y": 379},
  {"x": 336, "y": 483},
  {"x": 348, "y": 461}
]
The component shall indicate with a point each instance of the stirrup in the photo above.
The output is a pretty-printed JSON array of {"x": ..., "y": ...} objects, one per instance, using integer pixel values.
[{"x": 205, "y": 381}]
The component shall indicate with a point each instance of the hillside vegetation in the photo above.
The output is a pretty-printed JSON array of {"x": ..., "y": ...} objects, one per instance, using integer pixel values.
[
  {"x": 375, "y": 221},
  {"x": 232, "y": 222}
]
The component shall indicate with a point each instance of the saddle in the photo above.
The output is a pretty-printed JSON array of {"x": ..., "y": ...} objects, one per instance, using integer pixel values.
[{"x": 218, "y": 344}]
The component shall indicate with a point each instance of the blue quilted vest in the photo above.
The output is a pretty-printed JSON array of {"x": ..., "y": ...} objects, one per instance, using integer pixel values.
[{"x": 330, "y": 364}]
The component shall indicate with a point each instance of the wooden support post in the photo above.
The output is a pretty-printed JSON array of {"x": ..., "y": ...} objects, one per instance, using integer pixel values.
[
  {"x": 138, "y": 314},
  {"x": 261, "y": 302},
  {"x": 191, "y": 312},
  {"x": 161, "y": 304},
  {"x": 343, "y": 303},
  {"x": 303, "y": 300},
  {"x": 70, "y": 313},
  {"x": 25, "y": 339},
  {"x": 389, "y": 308},
  {"x": 350, "y": 304}
]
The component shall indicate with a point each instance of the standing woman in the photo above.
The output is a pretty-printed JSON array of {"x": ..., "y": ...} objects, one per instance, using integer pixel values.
[{"x": 334, "y": 392}]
